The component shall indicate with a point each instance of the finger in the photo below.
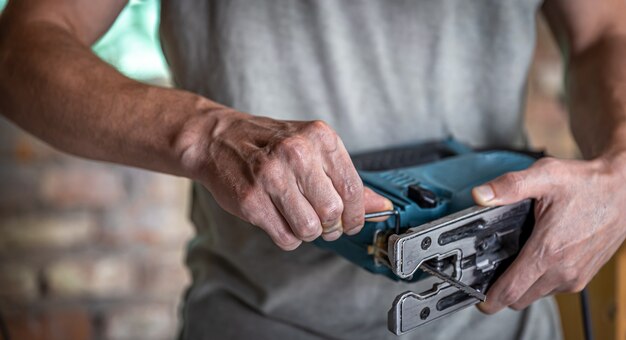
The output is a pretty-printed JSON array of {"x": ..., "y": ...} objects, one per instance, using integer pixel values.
[
  {"x": 298, "y": 212},
  {"x": 319, "y": 191},
  {"x": 374, "y": 202},
  {"x": 349, "y": 186},
  {"x": 515, "y": 281},
  {"x": 270, "y": 220},
  {"x": 513, "y": 187}
]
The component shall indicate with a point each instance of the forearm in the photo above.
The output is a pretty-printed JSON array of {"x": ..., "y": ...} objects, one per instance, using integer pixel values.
[
  {"x": 597, "y": 97},
  {"x": 53, "y": 86}
]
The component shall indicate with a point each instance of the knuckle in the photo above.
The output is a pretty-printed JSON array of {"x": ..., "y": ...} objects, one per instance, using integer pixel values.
[
  {"x": 319, "y": 126},
  {"x": 293, "y": 148},
  {"x": 354, "y": 221},
  {"x": 284, "y": 239},
  {"x": 269, "y": 172},
  {"x": 331, "y": 212},
  {"x": 579, "y": 285},
  {"x": 576, "y": 285},
  {"x": 248, "y": 205},
  {"x": 308, "y": 229},
  {"x": 352, "y": 189},
  {"x": 514, "y": 182},
  {"x": 568, "y": 276},
  {"x": 324, "y": 133}
]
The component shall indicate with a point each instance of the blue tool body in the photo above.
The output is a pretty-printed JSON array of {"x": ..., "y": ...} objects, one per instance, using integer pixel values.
[{"x": 450, "y": 179}]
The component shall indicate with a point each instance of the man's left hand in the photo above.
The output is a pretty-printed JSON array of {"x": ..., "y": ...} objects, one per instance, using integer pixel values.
[{"x": 580, "y": 210}]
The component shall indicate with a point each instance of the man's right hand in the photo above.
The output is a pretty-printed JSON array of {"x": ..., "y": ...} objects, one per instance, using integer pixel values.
[{"x": 293, "y": 179}]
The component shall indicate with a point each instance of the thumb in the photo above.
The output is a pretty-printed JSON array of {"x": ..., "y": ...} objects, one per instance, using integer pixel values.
[
  {"x": 510, "y": 188},
  {"x": 375, "y": 202}
]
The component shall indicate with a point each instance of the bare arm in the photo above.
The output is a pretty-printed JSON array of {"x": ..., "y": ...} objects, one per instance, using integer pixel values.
[
  {"x": 592, "y": 35},
  {"x": 294, "y": 180},
  {"x": 53, "y": 86},
  {"x": 579, "y": 204}
]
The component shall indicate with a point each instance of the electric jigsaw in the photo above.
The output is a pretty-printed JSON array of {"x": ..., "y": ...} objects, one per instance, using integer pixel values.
[{"x": 435, "y": 235}]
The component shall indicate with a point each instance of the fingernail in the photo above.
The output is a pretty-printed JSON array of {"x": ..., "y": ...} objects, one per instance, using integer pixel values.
[
  {"x": 332, "y": 236},
  {"x": 354, "y": 231},
  {"x": 334, "y": 228},
  {"x": 485, "y": 193},
  {"x": 484, "y": 307},
  {"x": 388, "y": 204}
]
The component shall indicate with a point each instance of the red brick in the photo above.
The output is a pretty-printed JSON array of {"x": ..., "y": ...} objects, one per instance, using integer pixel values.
[
  {"x": 148, "y": 321},
  {"x": 155, "y": 188},
  {"x": 28, "y": 149},
  {"x": 169, "y": 189},
  {"x": 80, "y": 184},
  {"x": 46, "y": 231},
  {"x": 152, "y": 225},
  {"x": 19, "y": 187},
  {"x": 57, "y": 324},
  {"x": 18, "y": 282},
  {"x": 21, "y": 147},
  {"x": 110, "y": 276},
  {"x": 166, "y": 276}
]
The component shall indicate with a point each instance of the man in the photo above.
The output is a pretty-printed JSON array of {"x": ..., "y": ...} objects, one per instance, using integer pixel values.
[{"x": 364, "y": 74}]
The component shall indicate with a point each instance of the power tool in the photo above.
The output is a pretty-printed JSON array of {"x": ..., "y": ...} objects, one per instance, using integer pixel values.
[{"x": 435, "y": 235}]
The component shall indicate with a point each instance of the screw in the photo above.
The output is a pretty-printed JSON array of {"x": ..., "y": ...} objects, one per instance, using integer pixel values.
[
  {"x": 438, "y": 264},
  {"x": 426, "y": 242},
  {"x": 424, "y": 313}
]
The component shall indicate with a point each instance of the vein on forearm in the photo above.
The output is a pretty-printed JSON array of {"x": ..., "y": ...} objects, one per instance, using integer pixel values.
[{"x": 53, "y": 86}]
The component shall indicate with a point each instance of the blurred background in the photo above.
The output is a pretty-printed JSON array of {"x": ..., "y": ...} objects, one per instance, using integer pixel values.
[
  {"x": 95, "y": 251},
  {"x": 91, "y": 250}
]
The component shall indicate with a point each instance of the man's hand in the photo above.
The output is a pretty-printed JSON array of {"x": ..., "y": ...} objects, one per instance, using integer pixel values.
[
  {"x": 579, "y": 211},
  {"x": 293, "y": 179},
  {"x": 579, "y": 207}
]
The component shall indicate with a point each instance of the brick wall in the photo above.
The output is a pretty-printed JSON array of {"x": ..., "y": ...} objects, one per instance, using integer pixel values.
[
  {"x": 92, "y": 250},
  {"x": 87, "y": 250}
]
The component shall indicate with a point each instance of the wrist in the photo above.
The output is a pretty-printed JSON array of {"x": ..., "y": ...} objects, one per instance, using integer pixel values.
[
  {"x": 193, "y": 142},
  {"x": 613, "y": 161}
]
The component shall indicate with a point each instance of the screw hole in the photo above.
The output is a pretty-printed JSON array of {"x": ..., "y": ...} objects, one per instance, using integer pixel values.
[
  {"x": 425, "y": 313},
  {"x": 426, "y": 242}
]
